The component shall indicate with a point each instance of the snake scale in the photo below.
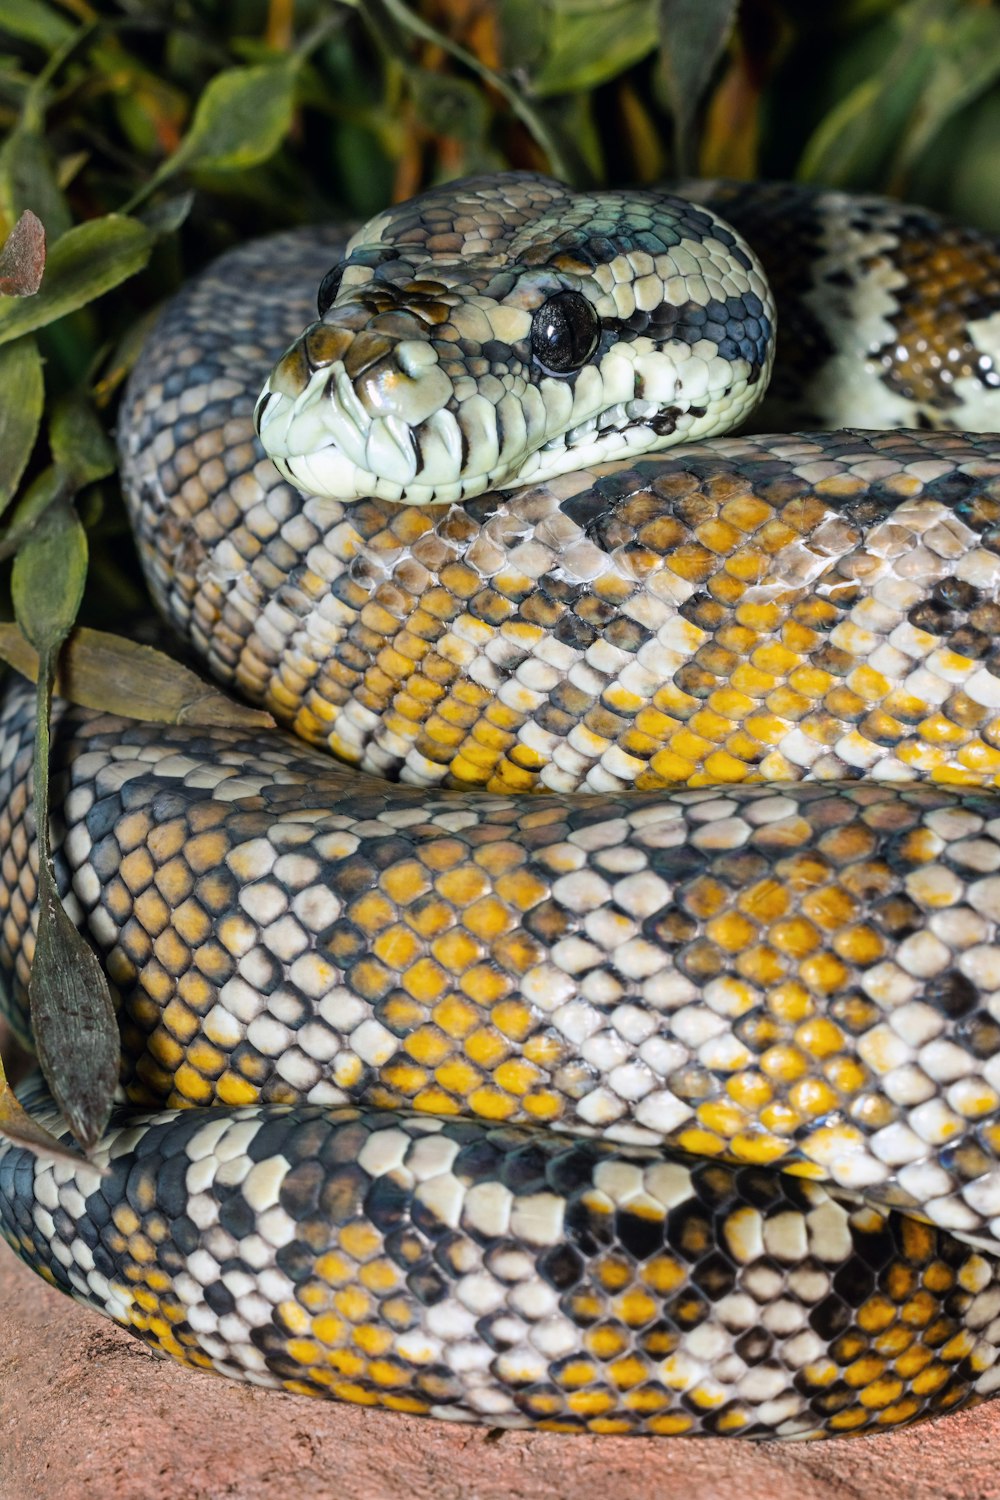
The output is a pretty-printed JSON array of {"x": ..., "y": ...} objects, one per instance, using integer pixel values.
[{"x": 433, "y": 1036}]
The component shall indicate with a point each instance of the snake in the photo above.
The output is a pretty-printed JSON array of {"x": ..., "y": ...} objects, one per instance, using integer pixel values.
[{"x": 583, "y": 1013}]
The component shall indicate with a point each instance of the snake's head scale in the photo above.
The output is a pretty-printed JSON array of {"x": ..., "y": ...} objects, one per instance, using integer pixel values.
[{"x": 505, "y": 330}]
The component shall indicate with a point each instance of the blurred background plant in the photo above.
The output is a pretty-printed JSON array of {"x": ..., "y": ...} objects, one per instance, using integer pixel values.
[
  {"x": 145, "y": 136},
  {"x": 199, "y": 123}
]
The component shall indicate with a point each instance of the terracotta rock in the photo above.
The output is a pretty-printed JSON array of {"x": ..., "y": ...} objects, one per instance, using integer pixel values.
[{"x": 88, "y": 1413}]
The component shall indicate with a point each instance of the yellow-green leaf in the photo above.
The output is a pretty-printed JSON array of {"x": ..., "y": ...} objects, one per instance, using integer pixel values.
[
  {"x": 28, "y": 180},
  {"x": 853, "y": 145},
  {"x": 967, "y": 61},
  {"x": 22, "y": 393},
  {"x": 79, "y": 443},
  {"x": 586, "y": 46},
  {"x": 32, "y": 21},
  {"x": 50, "y": 571},
  {"x": 83, "y": 264},
  {"x": 124, "y": 355},
  {"x": 119, "y": 676},
  {"x": 25, "y": 514},
  {"x": 167, "y": 216},
  {"x": 241, "y": 119}
]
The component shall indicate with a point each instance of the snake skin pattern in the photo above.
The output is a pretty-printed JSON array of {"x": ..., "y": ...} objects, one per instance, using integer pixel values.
[
  {"x": 791, "y": 962},
  {"x": 889, "y": 315}
]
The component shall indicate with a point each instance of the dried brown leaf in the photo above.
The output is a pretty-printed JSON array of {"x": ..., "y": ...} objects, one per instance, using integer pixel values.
[
  {"x": 18, "y": 1126},
  {"x": 110, "y": 673},
  {"x": 22, "y": 257}
]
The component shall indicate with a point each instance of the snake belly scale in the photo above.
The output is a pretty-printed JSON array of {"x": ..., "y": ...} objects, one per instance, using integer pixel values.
[{"x": 432, "y": 1038}]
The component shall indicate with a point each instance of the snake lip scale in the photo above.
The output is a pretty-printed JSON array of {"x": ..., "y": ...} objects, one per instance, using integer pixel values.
[{"x": 605, "y": 1036}]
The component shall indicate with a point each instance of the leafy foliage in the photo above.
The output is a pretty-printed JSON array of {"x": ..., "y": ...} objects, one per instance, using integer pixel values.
[
  {"x": 146, "y": 137},
  {"x": 140, "y": 137}
]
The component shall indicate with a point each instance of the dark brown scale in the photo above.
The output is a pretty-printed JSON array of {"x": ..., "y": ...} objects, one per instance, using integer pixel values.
[
  {"x": 819, "y": 248},
  {"x": 960, "y": 280}
]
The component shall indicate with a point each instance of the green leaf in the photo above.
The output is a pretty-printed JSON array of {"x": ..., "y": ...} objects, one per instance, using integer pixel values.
[
  {"x": 83, "y": 264},
  {"x": 853, "y": 145},
  {"x": 449, "y": 106},
  {"x": 28, "y": 180},
  {"x": 50, "y": 571},
  {"x": 693, "y": 34},
  {"x": 241, "y": 119},
  {"x": 72, "y": 1015},
  {"x": 523, "y": 34},
  {"x": 79, "y": 444},
  {"x": 167, "y": 216},
  {"x": 22, "y": 394},
  {"x": 124, "y": 354},
  {"x": 31, "y": 21},
  {"x": 586, "y": 45},
  {"x": 43, "y": 492},
  {"x": 967, "y": 61}
]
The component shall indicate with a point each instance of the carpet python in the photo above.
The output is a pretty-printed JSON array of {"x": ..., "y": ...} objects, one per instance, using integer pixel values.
[{"x": 403, "y": 1046}]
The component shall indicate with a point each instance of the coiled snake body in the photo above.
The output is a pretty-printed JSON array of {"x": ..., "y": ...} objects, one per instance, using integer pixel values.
[{"x": 436, "y": 1037}]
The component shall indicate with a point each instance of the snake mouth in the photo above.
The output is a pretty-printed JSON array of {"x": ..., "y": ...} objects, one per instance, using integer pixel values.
[
  {"x": 347, "y": 438},
  {"x": 398, "y": 433},
  {"x": 317, "y": 442}
]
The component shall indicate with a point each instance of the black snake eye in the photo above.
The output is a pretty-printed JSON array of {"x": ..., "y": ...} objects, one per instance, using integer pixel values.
[
  {"x": 328, "y": 289},
  {"x": 564, "y": 333}
]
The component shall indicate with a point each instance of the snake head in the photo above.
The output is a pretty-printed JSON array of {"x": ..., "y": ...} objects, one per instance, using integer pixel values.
[{"x": 504, "y": 330}]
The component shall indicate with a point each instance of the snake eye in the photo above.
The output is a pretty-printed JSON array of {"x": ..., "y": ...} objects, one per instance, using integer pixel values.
[
  {"x": 564, "y": 333},
  {"x": 328, "y": 289}
]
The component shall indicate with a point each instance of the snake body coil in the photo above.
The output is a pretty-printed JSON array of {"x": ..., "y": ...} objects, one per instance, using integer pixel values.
[{"x": 433, "y": 1037}]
